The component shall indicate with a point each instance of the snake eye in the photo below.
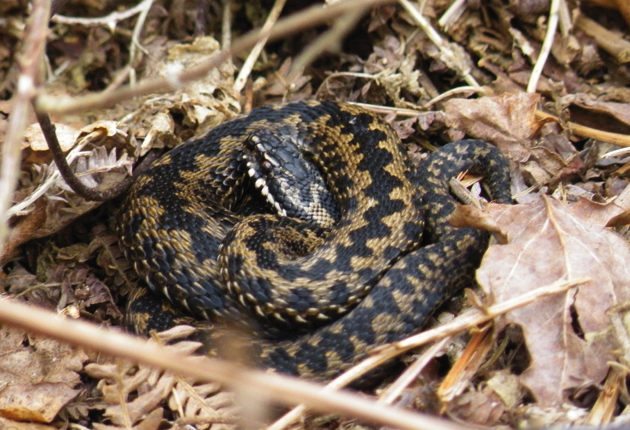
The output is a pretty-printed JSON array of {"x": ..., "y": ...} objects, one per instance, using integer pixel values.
[{"x": 266, "y": 165}]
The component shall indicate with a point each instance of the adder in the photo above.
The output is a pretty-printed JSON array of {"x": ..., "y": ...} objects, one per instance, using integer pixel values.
[{"x": 352, "y": 247}]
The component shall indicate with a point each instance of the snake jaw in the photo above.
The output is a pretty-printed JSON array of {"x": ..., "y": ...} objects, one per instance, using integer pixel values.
[{"x": 290, "y": 184}]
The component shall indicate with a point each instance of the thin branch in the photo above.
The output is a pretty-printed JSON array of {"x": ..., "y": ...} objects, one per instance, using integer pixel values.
[
  {"x": 29, "y": 60},
  {"x": 449, "y": 56},
  {"x": 310, "y": 17},
  {"x": 110, "y": 20},
  {"x": 552, "y": 26},
  {"x": 584, "y": 131},
  {"x": 393, "y": 391},
  {"x": 135, "y": 39},
  {"x": 329, "y": 41},
  {"x": 609, "y": 41},
  {"x": 226, "y": 25},
  {"x": 280, "y": 388},
  {"x": 247, "y": 67},
  {"x": 88, "y": 193}
]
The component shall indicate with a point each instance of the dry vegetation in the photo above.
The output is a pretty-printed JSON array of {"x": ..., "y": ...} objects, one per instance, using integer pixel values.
[{"x": 543, "y": 339}]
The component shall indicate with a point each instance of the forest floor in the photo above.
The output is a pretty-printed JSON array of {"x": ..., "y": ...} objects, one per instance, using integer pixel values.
[{"x": 542, "y": 340}]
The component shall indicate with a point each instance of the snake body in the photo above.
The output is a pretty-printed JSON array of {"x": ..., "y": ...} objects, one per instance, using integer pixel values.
[{"x": 351, "y": 248}]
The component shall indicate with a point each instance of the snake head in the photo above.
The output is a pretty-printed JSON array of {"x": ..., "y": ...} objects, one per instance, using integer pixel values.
[{"x": 291, "y": 184}]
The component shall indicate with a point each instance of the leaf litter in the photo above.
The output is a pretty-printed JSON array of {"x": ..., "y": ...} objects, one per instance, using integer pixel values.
[{"x": 547, "y": 362}]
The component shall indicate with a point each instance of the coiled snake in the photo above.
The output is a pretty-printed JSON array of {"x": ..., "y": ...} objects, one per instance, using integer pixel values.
[{"x": 351, "y": 247}]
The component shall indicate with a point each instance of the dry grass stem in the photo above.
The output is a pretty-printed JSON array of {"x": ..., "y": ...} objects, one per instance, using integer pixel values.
[
  {"x": 246, "y": 69},
  {"x": 135, "y": 39},
  {"x": 393, "y": 391},
  {"x": 29, "y": 61},
  {"x": 604, "y": 408},
  {"x": 389, "y": 109},
  {"x": 609, "y": 41},
  {"x": 480, "y": 316},
  {"x": 449, "y": 56},
  {"x": 226, "y": 25},
  {"x": 552, "y": 25},
  {"x": 454, "y": 91},
  {"x": 467, "y": 364},
  {"x": 452, "y": 14},
  {"x": 279, "y": 388},
  {"x": 110, "y": 20},
  {"x": 593, "y": 133},
  {"x": 330, "y": 41}
]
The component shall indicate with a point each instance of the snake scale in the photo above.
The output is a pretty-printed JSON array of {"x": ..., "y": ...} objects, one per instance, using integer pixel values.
[{"x": 308, "y": 221}]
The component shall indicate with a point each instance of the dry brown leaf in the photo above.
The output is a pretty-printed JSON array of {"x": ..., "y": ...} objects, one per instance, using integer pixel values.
[
  {"x": 34, "y": 138},
  {"x": 601, "y": 115},
  {"x": 48, "y": 204},
  {"x": 507, "y": 120},
  {"x": 39, "y": 376},
  {"x": 569, "y": 336},
  {"x": 481, "y": 408},
  {"x": 16, "y": 425}
]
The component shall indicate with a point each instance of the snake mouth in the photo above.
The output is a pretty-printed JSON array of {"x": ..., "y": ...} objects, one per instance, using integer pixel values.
[
  {"x": 260, "y": 165},
  {"x": 261, "y": 184},
  {"x": 290, "y": 183}
]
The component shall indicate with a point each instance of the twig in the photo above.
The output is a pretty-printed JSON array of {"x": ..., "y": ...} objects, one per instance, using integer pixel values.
[
  {"x": 477, "y": 317},
  {"x": 448, "y": 54},
  {"x": 297, "y": 22},
  {"x": 110, "y": 20},
  {"x": 452, "y": 14},
  {"x": 329, "y": 41},
  {"x": 135, "y": 38},
  {"x": 552, "y": 25},
  {"x": 226, "y": 25},
  {"x": 411, "y": 373},
  {"x": 593, "y": 133},
  {"x": 275, "y": 387},
  {"x": 88, "y": 193},
  {"x": 246, "y": 69},
  {"x": 29, "y": 62},
  {"x": 389, "y": 109},
  {"x": 606, "y": 39},
  {"x": 460, "y": 323},
  {"x": 466, "y": 89}
]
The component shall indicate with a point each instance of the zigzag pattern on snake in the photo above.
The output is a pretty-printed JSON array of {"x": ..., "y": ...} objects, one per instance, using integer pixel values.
[{"x": 351, "y": 249}]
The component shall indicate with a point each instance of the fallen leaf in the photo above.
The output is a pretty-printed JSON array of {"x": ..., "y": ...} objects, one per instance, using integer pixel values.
[
  {"x": 569, "y": 336},
  {"x": 507, "y": 120},
  {"x": 16, "y": 425},
  {"x": 40, "y": 375}
]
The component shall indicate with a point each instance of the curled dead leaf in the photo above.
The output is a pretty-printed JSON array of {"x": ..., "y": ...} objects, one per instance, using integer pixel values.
[{"x": 569, "y": 336}]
